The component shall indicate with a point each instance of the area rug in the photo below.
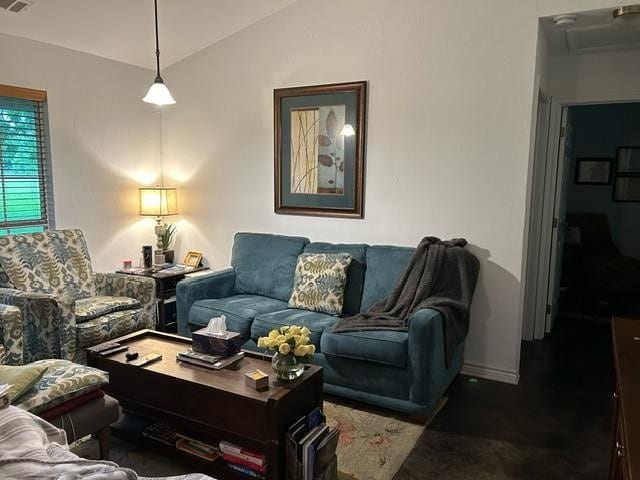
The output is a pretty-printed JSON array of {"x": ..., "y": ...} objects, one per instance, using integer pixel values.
[{"x": 373, "y": 444}]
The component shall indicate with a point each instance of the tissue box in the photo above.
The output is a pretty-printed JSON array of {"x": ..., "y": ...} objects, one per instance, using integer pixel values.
[{"x": 226, "y": 344}]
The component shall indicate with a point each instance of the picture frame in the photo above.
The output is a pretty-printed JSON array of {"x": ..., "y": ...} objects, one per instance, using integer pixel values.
[
  {"x": 626, "y": 189},
  {"x": 319, "y": 149},
  {"x": 192, "y": 258},
  {"x": 628, "y": 161},
  {"x": 593, "y": 171}
]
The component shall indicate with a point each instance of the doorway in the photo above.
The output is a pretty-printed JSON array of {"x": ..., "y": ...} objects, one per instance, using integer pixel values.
[
  {"x": 577, "y": 253},
  {"x": 599, "y": 260}
]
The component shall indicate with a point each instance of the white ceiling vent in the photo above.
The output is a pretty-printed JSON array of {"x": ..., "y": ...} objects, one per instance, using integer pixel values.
[{"x": 15, "y": 6}]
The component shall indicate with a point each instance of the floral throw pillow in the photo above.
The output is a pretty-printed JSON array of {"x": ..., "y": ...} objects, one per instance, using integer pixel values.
[
  {"x": 62, "y": 381},
  {"x": 319, "y": 280}
]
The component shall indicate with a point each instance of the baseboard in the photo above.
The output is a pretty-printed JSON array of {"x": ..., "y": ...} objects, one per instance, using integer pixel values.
[{"x": 489, "y": 373}]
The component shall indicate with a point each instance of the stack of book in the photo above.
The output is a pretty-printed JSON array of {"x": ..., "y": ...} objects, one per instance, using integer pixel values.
[
  {"x": 164, "y": 433},
  {"x": 197, "y": 447},
  {"x": 4, "y": 395},
  {"x": 215, "y": 362},
  {"x": 161, "y": 432},
  {"x": 243, "y": 460},
  {"x": 311, "y": 448}
]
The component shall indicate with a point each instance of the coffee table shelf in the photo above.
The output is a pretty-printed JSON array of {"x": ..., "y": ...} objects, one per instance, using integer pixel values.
[{"x": 211, "y": 404}]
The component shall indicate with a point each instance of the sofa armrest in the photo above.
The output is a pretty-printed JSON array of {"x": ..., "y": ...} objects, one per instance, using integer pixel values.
[
  {"x": 431, "y": 376},
  {"x": 49, "y": 323},
  {"x": 217, "y": 285},
  {"x": 142, "y": 289},
  {"x": 10, "y": 335}
]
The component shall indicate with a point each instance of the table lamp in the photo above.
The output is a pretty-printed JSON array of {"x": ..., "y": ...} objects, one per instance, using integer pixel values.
[{"x": 158, "y": 202}]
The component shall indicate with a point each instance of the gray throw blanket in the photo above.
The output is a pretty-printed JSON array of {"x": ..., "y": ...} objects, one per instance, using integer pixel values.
[{"x": 441, "y": 275}]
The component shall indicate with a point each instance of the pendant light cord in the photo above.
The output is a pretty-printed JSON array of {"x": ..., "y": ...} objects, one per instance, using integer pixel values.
[{"x": 158, "y": 77}]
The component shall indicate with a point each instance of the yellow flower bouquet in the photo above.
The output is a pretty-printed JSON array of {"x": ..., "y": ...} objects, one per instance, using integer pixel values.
[
  {"x": 290, "y": 344},
  {"x": 289, "y": 339}
]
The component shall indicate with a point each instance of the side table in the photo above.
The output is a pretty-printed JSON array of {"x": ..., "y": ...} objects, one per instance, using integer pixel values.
[{"x": 166, "y": 281}]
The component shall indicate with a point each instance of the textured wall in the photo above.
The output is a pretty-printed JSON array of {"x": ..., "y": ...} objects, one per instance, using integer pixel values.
[
  {"x": 450, "y": 95},
  {"x": 104, "y": 142}
]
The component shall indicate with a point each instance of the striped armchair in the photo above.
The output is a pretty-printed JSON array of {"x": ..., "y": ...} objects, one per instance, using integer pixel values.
[{"x": 65, "y": 306}]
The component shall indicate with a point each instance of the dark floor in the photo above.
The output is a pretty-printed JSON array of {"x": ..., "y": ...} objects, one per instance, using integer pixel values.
[{"x": 554, "y": 425}]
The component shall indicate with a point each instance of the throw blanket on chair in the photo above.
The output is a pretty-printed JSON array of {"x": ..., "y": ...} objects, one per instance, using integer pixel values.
[
  {"x": 31, "y": 448},
  {"x": 441, "y": 275}
]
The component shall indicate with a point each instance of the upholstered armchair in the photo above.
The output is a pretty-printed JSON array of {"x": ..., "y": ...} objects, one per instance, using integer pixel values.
[
  {"x": 65, "y": 306},
  {"x": 10, "y": 335}
]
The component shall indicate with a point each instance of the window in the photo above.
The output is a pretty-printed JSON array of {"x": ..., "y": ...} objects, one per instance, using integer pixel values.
[{"x": 26, "y": 194}]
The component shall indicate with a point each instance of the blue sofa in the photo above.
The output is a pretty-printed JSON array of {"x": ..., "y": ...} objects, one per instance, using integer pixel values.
[{"x": 403, "y": 371}]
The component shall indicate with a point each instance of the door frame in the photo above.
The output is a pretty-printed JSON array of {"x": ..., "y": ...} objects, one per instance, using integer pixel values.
[{"x": 534, "y": 316}]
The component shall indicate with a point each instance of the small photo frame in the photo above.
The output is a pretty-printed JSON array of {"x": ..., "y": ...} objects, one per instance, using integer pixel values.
[
  {"x": 628, "y": 161},
  {"x": 626, "y": 189},
  {"x": 192, "y": 258},
  {"x": 593, "y": 171}
]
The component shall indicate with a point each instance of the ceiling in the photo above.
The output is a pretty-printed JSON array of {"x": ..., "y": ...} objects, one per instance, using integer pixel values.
[
  {"x": 593, "y": 31},
  {"x": 123, "y": 30}
]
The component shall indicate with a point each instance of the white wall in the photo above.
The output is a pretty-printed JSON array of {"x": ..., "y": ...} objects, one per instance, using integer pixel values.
[
  {"x": 596, "y": 73},
  {"x": 104, "y": 142},
  {"x": 449, "y": 116}
]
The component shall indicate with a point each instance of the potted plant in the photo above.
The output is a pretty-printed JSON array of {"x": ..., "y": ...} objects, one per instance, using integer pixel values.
[
  {"x": 292, "y": 348},
  {"x": 168, "y": 235}
]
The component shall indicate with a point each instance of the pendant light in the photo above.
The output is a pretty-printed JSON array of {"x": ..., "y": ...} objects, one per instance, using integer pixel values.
[{"x": 158, "y": 93}]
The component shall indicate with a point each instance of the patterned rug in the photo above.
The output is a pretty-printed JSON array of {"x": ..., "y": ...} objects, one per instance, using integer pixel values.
[{"x": 373, "y": 444}]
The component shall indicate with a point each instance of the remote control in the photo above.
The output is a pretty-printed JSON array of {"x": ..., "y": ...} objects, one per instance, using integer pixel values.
[
  {"x": 148, "y": 358},
  {"x": 105, "y": 346},
  {"x": 104, "y": 353}
]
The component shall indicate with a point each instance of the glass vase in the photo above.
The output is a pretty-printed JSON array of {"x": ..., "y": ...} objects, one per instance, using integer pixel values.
[{"x": 286, "y": 367}]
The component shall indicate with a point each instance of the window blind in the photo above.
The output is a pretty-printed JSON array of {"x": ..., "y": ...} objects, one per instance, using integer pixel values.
[{"x": 26, "y": 195}]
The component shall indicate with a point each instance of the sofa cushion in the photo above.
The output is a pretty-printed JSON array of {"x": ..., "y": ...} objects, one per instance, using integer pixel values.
[
  {"x": 94, "y": 307},
  {"x": 385, "y": 264},
  {"x": 106, "y": 327},
  {"x": 355, "y": 275},
  {"x": 316, "y": 322},
  {"x": 318, "y": 284},
  {"x": 62, "y": 381},
  {"x": 265, "y": 264},
  {"x": 21, "y": 378},
  {"x": 239, "y": 310},
  {"x": 385, "y": 347}
]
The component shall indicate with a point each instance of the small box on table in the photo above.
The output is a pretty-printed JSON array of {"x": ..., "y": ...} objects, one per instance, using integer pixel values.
[
  {"x": 224, "y": 344},
  {"x": 258, "y": 380}
]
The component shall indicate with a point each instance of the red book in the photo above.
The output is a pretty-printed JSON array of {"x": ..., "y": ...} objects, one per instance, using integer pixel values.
[
  {"x": 232, "y": 449},
  {"x": 245, "y": 463}
]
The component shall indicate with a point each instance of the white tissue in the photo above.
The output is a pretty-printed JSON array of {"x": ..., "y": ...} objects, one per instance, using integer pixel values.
[{"x": 217, "y": 326}]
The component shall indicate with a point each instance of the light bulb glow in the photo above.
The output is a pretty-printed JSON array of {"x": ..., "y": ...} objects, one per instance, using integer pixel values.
[
  {"x": 159, "y": 94},
  {"x": 348, "y": 130}
]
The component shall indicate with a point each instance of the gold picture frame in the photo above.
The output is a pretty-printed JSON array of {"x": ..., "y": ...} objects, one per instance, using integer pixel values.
[{"x": 192, "y": 258}]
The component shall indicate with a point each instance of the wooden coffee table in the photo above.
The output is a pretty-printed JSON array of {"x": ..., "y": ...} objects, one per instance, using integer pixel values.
[{"x": 211, "y": 405}]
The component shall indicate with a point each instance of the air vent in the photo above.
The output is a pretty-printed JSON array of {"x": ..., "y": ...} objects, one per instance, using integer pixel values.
[{"x": 15, "y": 6}]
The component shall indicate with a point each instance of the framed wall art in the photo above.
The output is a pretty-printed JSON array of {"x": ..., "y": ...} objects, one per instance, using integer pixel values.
[
  {"x": 593, "y": 171},
  {"x": 319, "y": 141},
  {"x": 628, "y": 161},
  {"x": 626, "y": 186}
]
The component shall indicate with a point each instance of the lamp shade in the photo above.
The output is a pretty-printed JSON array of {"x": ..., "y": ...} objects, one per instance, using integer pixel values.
[
  {"x": 159, "y": 94},
  {"x": 158, "y": 201}
]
